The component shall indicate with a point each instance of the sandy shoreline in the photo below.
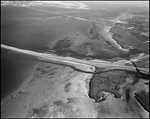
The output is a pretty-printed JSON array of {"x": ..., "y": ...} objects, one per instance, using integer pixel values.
[
  {"x": 47, "y": 79},
  {"x": 8, "y": 99},
  {"x": 108, "y": 36}
]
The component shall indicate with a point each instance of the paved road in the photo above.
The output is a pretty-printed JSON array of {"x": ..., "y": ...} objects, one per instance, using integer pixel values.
[{"x": 78, "y": 63}]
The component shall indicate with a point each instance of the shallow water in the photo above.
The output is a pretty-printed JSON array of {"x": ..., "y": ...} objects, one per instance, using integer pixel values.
[
  {"x": 15, "y": 69},
  {"x": 32, "y": 30}
]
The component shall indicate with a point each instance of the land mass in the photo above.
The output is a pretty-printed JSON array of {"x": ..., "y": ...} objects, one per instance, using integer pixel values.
[{"x": 36, "y": 98}]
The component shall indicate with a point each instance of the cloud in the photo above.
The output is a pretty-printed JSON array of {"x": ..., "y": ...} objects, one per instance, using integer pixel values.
[
  {"x": 131, "y": 3},
  {"x": 65, "y": 4},
  {"x": 62, "y": 4}
]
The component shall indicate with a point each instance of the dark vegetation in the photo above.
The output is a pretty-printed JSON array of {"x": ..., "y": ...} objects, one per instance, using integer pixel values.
[
  {"x": 62, "y": 49},
  {"x": 143, "y": 98},
  {"x": 111, "y": 81},
  {"x": 124, "y": 38},
  {"x": 107, "y": 81},
  {"x": 133, "y": 37},
  {"x": 40, "y": 112},
  {"x": 66, "y": 47}
]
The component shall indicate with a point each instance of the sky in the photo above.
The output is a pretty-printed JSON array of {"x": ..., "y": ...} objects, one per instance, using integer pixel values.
[
  {"x": 82, "y": 4},
  {"x": 133, "y": 3}
]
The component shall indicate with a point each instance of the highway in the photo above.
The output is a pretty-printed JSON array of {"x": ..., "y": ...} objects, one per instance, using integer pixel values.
[{"x": 81, "y": 64}]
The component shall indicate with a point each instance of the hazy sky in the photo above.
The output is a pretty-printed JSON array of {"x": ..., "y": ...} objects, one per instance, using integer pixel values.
[
  {"x": 143, "y": 4},
  {"x": 134, "y": 3}
]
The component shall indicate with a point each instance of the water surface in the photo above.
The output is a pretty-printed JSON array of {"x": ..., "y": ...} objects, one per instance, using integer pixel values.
[{"x": 31, "y": 30}]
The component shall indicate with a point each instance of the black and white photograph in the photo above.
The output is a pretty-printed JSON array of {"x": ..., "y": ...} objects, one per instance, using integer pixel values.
[{"x": 74, "y": 59}]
